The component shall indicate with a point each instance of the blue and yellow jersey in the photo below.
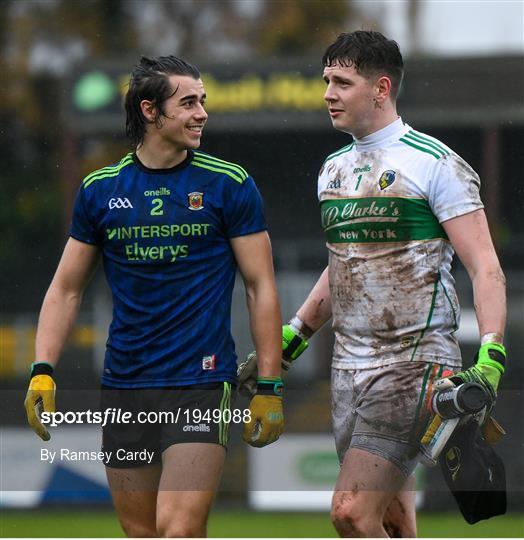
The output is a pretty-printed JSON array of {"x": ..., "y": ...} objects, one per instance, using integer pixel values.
[{"x": 165, "y": 238}]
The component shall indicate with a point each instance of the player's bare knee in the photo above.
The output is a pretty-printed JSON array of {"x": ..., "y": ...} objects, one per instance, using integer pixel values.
[
  {"x": 349, "y": 516},
  {"x": 344, "y": 527},
  {"x": 348, "y": 525}
]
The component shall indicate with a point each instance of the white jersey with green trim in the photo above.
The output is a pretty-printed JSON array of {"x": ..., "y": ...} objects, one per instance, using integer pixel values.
[{"x": 383, "y": 199}]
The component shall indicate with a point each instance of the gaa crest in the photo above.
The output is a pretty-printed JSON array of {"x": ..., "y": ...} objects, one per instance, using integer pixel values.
[
  {"x": 209, "y": 362},
  {"x": 386, "y": 179},
  {"x": 195, "y": 200}
]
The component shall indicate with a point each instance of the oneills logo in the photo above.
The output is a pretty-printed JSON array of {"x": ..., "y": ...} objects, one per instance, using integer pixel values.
[
  {"x": 195, "y": 200},
  {"x": 386, "y": 179}
]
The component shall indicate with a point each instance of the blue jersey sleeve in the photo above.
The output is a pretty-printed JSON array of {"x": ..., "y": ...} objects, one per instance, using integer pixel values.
[
  {"x": 82, "y": 225},
  {"x": 243, "y": 209}
]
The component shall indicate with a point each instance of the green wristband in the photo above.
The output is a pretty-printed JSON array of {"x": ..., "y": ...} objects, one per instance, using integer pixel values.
[
  {"x": 270, "y": 386},
  {"x": 40, "y": 368}
]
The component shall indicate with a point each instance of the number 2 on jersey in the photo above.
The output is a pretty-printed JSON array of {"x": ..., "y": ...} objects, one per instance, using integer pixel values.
[{"x": 157, "y": 207}]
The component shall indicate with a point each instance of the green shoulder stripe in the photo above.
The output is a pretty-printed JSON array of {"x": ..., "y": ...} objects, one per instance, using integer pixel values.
[
  {"x": 197, "y": 163},
  {"x": 432, "y": 143},
  {"x": 107, "y": 172},
  {"x": 425, "y": 143},
  {"x": 109, "y": 168},
  {"x": 206, "y": 158},
  {"x": 341, "y": 151},
  {"x": 425, "y": 149},
  {"x": 439, "y": 144}
]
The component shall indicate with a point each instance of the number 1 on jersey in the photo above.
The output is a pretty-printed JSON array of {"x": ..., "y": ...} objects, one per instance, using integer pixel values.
[
  {"x": 157, "y": 207},
  {"x": 358, "y": 181}
]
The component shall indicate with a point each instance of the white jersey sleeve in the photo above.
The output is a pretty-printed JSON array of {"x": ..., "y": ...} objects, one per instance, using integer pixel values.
[{"x": 454, "y": 188}]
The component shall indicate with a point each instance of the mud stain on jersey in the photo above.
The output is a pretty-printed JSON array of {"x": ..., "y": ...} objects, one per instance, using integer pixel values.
[
  {"x": 389, "y": 319},
  {"x": 382, "y": 295},
  {"x": 431, "y": 278},
  {"x": 465, "y": 174}
]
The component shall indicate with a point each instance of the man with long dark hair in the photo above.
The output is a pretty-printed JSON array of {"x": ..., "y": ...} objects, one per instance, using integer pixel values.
[{"x": 172, "y": 225}]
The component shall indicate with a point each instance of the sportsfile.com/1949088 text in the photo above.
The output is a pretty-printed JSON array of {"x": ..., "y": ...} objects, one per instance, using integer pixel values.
[{"x": 118, "y": 416}]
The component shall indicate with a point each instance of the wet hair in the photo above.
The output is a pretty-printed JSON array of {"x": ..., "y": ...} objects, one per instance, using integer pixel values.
[
  {"x": 371, "y": 53},
  {"x": 150, "y": 80}
]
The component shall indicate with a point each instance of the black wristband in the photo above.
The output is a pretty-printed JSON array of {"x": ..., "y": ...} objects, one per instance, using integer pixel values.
[
  {"x": 41, "y": 368},
  {"x": 270, "y": 388}
]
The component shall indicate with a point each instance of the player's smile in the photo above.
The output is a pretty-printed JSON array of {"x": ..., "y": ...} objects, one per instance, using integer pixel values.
[{"x": 196, "y": 129}]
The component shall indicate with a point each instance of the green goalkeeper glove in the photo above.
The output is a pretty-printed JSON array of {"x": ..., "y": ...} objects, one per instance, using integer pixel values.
[
  {"x": 266, "y": 422},
  {"x": 40, "y": 397},
  {"x": 294, "y": 343},
  {"x": 487, "y": 371}
]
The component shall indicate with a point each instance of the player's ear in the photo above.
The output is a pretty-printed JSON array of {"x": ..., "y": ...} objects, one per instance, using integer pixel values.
[
  {"x": 382, "y": 89},
  {"x": 148, "y": 109}
]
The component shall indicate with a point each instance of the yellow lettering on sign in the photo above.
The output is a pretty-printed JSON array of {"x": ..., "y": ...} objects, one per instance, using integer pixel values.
[
  {"x": 290, "y": 91},
  {"x": 252, "y": 93}
]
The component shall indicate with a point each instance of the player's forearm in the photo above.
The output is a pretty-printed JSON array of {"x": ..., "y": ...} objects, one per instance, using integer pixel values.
[
  {"x": 57, "y": 316},
  {"x": 489, "y": 294},
  {"x": 266, "y": 326},
  {"x": 316, "y": 310}
]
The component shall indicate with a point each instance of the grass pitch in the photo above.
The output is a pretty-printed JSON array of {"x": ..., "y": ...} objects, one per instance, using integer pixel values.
[{"x": 241, "y": 523}]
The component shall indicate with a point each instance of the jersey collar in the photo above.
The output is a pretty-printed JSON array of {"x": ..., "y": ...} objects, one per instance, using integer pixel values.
[
  {"x": 383, "y": 136},
  {"x": 171, "y": 170}
]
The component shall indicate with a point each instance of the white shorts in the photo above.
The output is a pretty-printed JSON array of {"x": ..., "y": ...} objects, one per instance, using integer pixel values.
[{"x": 384, "y": 410}]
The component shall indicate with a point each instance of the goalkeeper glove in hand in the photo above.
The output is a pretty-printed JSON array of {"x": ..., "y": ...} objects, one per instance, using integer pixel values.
[
  {"x": 40, "y": 397},
  {"x": 247, "y": 373},
  {"x": 266, "y": 422},
  {"x": 487, "y": 371},
  {"x": 294, "y": 343}
]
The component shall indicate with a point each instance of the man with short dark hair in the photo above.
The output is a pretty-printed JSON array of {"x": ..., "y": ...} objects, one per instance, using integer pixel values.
[
  {"x": 172, "y": 224},
  {"x": 395, "y": 205}
]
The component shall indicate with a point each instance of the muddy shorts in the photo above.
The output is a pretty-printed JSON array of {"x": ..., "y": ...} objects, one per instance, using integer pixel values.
[{"x": 384, "y": 410}]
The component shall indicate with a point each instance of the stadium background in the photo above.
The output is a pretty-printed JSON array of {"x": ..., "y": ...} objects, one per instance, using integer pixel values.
[{"x": 64, "y": 65}]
